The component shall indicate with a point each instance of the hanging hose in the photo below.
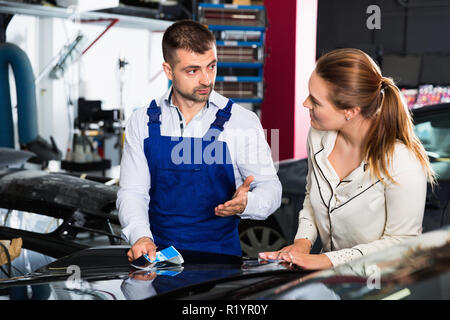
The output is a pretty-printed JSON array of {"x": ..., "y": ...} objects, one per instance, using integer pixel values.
[{"x": 12, "y": 55}]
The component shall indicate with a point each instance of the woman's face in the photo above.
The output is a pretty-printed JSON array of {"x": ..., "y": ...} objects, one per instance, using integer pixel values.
[{"x": 324, "y": 115}]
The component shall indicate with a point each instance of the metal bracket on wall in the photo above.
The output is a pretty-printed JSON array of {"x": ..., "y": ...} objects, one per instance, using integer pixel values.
[{"x": 4, "y": 21}]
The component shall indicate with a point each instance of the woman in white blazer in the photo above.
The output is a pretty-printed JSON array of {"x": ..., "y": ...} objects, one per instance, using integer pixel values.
[{"x": 367, "y": 177}]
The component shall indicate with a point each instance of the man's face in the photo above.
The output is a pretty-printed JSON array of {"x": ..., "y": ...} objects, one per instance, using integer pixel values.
[{"x": 192, "y": 74}]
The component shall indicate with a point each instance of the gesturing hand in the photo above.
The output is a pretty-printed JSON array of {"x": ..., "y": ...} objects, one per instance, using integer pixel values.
[{"x": 238, "y": 203}]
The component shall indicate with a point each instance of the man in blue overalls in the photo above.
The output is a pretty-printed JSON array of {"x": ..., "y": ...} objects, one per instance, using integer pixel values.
[{"x": 194, "y": 162}]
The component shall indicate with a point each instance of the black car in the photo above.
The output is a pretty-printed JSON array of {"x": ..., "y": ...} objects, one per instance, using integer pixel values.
[
  {"x": 415, "y": 269},
  {"x": 81, "y": 213},
  {"x": 431, "y": 125}
]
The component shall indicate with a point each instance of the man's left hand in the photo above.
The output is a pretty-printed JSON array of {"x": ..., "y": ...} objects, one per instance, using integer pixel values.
[{"x": 238, "y": 203}]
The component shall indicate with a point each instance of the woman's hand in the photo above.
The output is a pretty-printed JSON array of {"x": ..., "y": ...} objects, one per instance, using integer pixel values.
[
  {"x": 309, "y": 261},
  {"x": 298, "y": 253},
  {"x": 300, "y": 246}
]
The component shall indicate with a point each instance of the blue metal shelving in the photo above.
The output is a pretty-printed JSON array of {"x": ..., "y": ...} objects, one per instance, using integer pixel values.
[
  {"x": 239, "y": 79},
  {"x": 232, "y": 43},
  {"x": 229, "y": 6},
  {"x": 236, "y": 28},
  {"x": 223, "y": 25},
  {"x": 252, "y": 65}
]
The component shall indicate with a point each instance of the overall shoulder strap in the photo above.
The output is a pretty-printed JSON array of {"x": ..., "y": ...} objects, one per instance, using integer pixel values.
[
  {"x": 154, "y": 122},
  {"x": 222, "y": 116}
]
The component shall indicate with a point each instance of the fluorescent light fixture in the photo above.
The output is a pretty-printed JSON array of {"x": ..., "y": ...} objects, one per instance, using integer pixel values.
[{"x": 88, "y": 5}]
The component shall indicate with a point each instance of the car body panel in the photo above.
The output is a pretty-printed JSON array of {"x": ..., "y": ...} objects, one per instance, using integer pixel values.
[{"x": 55, "y": 194}]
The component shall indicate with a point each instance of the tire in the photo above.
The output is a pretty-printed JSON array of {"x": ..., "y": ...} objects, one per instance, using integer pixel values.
[{"x": 259, "y": 236}]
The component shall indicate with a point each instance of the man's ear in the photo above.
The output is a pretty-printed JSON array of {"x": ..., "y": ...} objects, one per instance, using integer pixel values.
[{"x": 167, "y": 70}]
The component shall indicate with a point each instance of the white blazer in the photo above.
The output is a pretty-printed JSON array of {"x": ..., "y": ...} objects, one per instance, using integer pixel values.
[{"x": 360, "y": 214}]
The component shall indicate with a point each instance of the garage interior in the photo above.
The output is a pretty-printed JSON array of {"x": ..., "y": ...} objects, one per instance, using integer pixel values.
[{"x": 73, "y": 72}]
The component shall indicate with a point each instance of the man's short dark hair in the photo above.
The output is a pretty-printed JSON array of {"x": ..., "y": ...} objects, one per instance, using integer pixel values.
[{"x": 188, "y": 35}]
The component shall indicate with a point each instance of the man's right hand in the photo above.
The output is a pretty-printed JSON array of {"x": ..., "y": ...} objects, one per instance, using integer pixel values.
[{"x": 141, "y": 246}]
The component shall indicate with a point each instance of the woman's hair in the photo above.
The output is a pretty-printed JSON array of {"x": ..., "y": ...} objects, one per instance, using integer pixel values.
[{"x": 354, "y": 79}]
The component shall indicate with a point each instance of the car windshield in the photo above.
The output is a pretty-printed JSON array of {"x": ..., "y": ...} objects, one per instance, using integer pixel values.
[{"x": 29, "y": 221}]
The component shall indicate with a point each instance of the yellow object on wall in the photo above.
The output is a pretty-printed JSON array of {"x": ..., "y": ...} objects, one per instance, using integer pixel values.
[{"x": 242, "y": 2}]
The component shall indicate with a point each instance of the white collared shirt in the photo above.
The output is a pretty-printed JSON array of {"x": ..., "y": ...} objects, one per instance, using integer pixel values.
[
  {"x": 360, "y": 214},
  {"x": 245, "y": 138}
]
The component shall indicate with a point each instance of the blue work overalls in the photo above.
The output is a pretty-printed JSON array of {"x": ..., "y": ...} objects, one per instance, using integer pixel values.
[{"x": 183, "y": 194}]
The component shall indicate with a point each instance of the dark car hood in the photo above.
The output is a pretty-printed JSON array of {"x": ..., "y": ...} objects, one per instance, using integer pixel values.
[
  {"x": 84, "y": 205},
  {"x": 54, "y": 194},
  {"x": 416, "y": 269},
  {"x": 105, "y": 273}
]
